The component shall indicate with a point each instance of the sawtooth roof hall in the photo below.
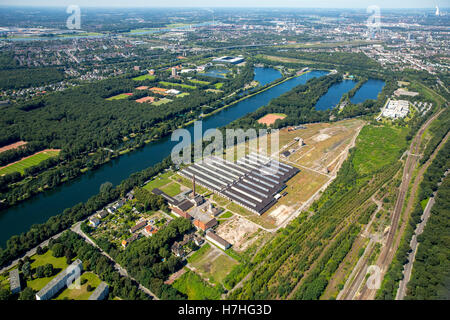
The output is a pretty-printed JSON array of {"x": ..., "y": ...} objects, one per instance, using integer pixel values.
[{"x": 252, "y": 182}]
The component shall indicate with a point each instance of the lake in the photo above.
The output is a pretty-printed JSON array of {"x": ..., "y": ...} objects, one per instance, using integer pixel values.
[
  {"x": 369, "y": 90},
  {"x": 334, "y": 94}
]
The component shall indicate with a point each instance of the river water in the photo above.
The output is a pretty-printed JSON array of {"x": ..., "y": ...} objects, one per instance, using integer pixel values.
[{"x": 40, "y": 208}]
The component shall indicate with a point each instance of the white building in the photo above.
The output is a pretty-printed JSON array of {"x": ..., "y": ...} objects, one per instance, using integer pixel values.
[{"x": 396, "y": 109}]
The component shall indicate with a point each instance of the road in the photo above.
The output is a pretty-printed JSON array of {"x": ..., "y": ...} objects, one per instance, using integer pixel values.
[{"x": 401, "y": 292}]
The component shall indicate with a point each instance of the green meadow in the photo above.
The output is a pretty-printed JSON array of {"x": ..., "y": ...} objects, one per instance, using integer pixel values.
[{"x": 35, "y": 159}]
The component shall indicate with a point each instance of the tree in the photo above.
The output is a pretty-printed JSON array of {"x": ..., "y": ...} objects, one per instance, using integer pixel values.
[
  {"x": 26, "y": 269},
  {"x": 106, "y": 187},
  {"x": 39, "y": 250},
  {"x": 39, "y": 272},
  {"x": 27, "y": 294},
  {"x": 4, "y": 294},
  {"x": 58, "y": 250},
  {"x": 48, "y": 270}
]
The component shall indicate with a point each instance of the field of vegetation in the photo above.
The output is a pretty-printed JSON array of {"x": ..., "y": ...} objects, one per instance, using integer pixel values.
[
  {"x": 28, "y": 162},
  {"x": 144, "y": 77},
  {"x": 192, "y": 285},
  {"x": 302, "y": 258}
]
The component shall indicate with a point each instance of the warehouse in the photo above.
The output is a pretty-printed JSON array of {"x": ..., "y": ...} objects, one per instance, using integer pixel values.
[{"x": 252, "y": 182}]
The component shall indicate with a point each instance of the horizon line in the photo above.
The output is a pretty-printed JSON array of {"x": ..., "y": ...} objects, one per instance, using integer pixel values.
[{"x": 218, "y": 7}]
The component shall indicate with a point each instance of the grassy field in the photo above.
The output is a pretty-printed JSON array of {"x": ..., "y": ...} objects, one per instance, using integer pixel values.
[
  {"x": 211, "y": 263},
  {"x": 218, "y": 85},
  {"x": 33, "y": 160},
  {"x": 199, "y": 254},
  {"x": 82, "y": 293},
  {"x": 118, "y": 97},
  {"x": 183, "y": 94},
  {"x": 160, "y": 102},
  {"x": 378, "y": 146},
  {"x": 199, "y": 81},
  {"x": 144, "y": 77},
  {"x": 159, "y": 181},
  {"x": 172, "y": 189},
  {"x": 59, "y": 264},
  {"x": 188, "y": 183},
  {"x": 192, "y": 285},
  {"x": 182, "y": 85}
]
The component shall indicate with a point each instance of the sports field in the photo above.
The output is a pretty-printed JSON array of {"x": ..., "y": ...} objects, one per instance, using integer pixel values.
[
  {"x": 144, "y": 77},
  {"x": 270, "y": 118},
  {"x": 199, "y": 81},
  {"x": 160, "y": 102},
  {"x": 11, "y": 146},
  {"x": 119, "y": 97},
  {"x": 182, "y": 85},
  {"x": 21, "y": 165}
]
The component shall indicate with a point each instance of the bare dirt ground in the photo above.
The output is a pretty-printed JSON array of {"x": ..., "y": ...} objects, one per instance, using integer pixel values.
[
  {"x": 281, "y": 213},
  {"x": 175, "y": 276},
  {"x": 270, "y": 118},
  {"x": 12, "y": 146},
  {"x": 237, "y": 231}
]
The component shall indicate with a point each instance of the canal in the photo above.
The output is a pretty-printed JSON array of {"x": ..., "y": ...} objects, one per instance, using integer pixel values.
[{"x": 40, "y": 208}]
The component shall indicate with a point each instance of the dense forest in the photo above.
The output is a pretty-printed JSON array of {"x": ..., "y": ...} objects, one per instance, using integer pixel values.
[{"x": 430, "y": 277}]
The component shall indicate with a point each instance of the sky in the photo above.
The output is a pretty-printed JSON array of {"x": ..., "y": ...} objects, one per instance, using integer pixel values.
[{"x": 235, "y": 3}]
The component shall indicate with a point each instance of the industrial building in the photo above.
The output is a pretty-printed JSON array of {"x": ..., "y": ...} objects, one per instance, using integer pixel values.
[
  {"x": 217, "y": 240},
  {"x": 228, "y": 59},
  {"x": 60, "y": 281},
  {"x": 252, "y": 182},
  {"x": 101, "y": 292}
]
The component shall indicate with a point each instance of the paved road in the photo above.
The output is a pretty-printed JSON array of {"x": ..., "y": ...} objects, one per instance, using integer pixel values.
[{"x": 414, "y": 245}]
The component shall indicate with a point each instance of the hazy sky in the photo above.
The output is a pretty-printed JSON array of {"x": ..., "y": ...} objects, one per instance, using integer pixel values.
[{"x": 236, "y": 3}]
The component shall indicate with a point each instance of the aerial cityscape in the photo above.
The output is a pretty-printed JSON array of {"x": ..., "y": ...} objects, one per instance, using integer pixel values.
[{"x": 236, "y": 152}]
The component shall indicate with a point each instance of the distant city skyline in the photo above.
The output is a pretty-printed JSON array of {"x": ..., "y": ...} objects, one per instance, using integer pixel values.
[{"x": 234, "y": 3}]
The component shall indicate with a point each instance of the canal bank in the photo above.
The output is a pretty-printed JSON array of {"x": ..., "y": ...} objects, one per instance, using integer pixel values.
[{"x": 39, "y": 209}]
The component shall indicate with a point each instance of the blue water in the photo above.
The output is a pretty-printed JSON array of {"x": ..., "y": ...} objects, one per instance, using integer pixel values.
[
  {"x": 369, "y": 90},
  {"x": 266, "y": 75},
  {"x": 215, "y": 73},
  {"x": 47, "y": 204},
  {"x": 334, "y": 94}
]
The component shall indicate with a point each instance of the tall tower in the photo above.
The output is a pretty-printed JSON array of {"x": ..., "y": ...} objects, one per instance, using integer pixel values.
[{"x": 437, "y": 11}]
